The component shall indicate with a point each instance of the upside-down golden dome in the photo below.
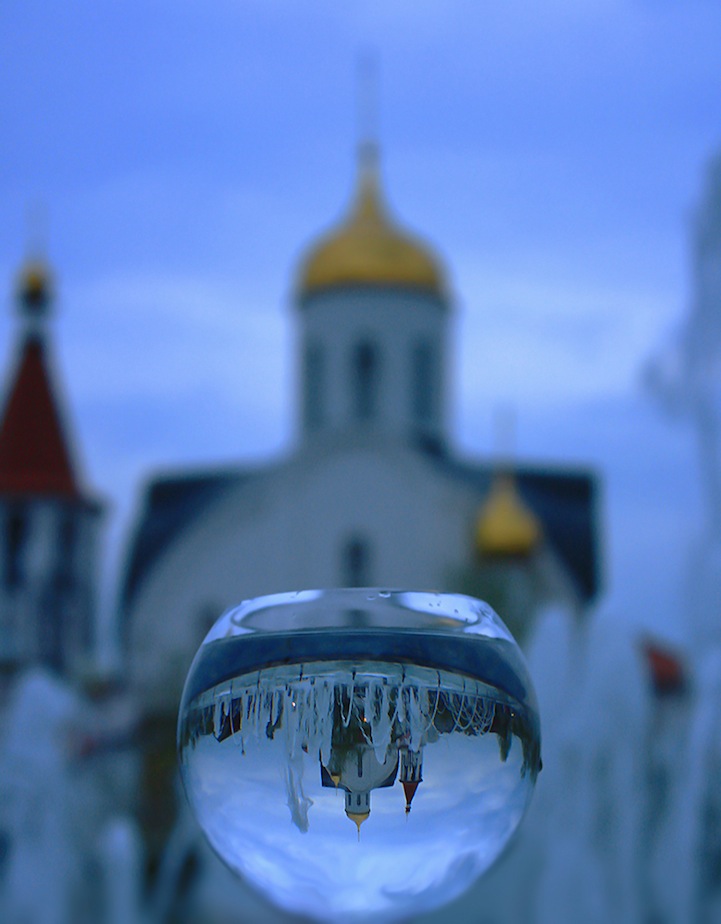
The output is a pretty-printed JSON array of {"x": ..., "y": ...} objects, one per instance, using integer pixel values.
[
  {"x": 506, "y": 527},
  {"x": 368, "y": 248},
  {"x": 358, "y": 818},
  {"x": 34, "y": 284}
]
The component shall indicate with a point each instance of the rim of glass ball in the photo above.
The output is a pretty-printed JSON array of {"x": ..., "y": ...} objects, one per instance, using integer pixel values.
[
  {"x": 356, "y": 608},
  {"x": 362, "y": 625}
]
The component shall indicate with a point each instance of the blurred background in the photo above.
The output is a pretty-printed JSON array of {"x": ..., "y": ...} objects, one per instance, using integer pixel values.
[{"x": 164, "y": 169}]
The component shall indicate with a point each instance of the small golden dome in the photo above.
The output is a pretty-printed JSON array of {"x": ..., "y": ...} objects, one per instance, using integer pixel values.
[
  {"x": 34, "y": 284},
  {"x": 368, "y": 248},
  {"x": 358, "y": 818},
  {"x": 506, "y": 527}
]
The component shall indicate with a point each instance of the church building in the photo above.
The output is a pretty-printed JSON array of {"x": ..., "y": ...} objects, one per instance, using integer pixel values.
[{"x": 372, "y": 494}]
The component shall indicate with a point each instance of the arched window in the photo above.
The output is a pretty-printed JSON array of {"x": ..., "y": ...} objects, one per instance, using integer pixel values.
[
  {"x": 364, "y": 380},
  {"x": 422, "y": 382},
  {"x": 314, "y": 386},
  {"x": 66, "y": 551},
  {"x": 15, "y": 540},
  {"x": 355, "y": 564}
]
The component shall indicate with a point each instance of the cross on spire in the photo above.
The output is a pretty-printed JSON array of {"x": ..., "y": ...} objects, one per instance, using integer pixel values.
[{"x": 368, "y": 109}]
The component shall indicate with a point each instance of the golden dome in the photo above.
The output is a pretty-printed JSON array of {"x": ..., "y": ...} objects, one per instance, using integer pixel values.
[
  {"x": 34, "y": 284},
  {"x": 368, "y": 248},
  {"x": 506, "y": 526},
  {"x": 358, "y": 818}
]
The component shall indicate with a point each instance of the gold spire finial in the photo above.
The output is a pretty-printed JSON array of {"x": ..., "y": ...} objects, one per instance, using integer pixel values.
[
  {"x": 34, "y": 281},
  {"x": 368, "y": 193},
  {"x": 33, "y": 287},
  {"x": 367, "y": 106},
  {"x": 506, "y": 527},
  {"x": 36, "y": 218},
  {"x": 358, "y": 818},
  {"x": 504, "y": 436},
  {"x": 368, "y": 248}
]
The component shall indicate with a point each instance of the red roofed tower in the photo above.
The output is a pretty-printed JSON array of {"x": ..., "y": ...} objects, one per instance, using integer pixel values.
[
  {"x": 48, "y": 524},
  {"x": 411, "y": 774}
]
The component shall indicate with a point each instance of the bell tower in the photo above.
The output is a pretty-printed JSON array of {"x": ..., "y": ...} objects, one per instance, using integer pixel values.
[
  {"x": 48, "y": 523},
  {"x": 373, "y": 311}
]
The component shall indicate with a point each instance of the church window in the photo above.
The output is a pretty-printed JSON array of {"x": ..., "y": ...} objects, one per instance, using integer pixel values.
[
  {"x": 314, "y": 386},
  {"x": 365, "y": 374},
  {"x": 15, "y": 540},
  {"x": 356, "y": 563},
  {"x": 67, "y": 541},
  {"x": 422, "y": 382}
]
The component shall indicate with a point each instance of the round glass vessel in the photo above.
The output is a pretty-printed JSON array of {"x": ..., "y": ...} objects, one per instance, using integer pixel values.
[{"x": 359, "y": 754}]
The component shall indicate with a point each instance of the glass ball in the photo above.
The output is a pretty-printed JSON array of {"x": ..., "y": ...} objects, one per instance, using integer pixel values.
[{"x": 359, "y": 754}]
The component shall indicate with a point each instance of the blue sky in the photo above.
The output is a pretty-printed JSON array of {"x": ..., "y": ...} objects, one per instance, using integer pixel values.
[{"x": 185, "y": 153}]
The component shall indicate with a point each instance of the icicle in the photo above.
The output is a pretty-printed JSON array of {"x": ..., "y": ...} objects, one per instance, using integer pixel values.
[
  {"x": 218, "y": 717},
  {"x": 324, "y": 709},
  {"x": 342, "y": 690},
  {"x": 377, "y": 713},
  {"x": 417, "y": 720}
]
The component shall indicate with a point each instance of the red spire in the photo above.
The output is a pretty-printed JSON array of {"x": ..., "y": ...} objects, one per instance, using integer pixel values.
[
  {"x": 34, "y": 454},
  {"x": 409, "y": 788}
]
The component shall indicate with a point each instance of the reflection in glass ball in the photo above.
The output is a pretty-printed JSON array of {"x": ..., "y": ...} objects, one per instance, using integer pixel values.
[{"x": 356, "y": 754}]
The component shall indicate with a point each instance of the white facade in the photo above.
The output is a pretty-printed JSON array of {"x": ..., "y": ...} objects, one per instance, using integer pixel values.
[
  {"x": 350, "y": 512},
  {"x": 374, "y": 360}
]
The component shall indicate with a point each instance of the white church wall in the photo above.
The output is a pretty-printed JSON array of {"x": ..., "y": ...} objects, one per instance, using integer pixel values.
[{"x": 288, "y": 529}]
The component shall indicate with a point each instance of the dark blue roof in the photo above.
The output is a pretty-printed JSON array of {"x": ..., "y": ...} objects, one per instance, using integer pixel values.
[
  {"x": 567, "y": 505},
  {"x": 170, "y": 504},
  {"x": 565, "y": 501}
]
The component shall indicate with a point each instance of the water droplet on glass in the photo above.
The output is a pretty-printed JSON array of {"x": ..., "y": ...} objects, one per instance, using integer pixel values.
[{"x": 336, "y": 783}]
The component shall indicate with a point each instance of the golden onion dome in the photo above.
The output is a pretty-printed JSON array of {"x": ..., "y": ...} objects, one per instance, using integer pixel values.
[
  {"x": 358, "y": 818},
  {"x": 506, "y": 527},
  {"x": 34, "y": 285},
  {"x": 368, "y": 248}
]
